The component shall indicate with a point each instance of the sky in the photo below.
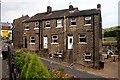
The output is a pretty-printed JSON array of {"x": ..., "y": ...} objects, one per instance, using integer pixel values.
[
  {"x": 119, "y": 13},
  {"x": 13, "y": 9}
]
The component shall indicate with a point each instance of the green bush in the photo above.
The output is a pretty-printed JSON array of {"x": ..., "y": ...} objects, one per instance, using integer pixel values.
[
  {"x": 36, "y": 69},
  {"x": 18, "y": 58},
  {"x": 25, "y": 67},
  {"x": 118, "y": 40},
  {"x": 33, "y": 68},
  {"x": 60, "y": 69}
]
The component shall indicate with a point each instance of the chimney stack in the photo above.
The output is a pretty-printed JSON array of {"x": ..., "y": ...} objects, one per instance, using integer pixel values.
[
  {"x": 49, "y": 9},
  {"x": 99, "y": 6},
  {"x": 71, "y": 7}
]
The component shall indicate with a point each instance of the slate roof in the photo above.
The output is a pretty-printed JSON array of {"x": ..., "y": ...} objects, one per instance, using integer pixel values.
[
  {"x": 61, "y": 14},
  {"x": 85, "y": 13}
]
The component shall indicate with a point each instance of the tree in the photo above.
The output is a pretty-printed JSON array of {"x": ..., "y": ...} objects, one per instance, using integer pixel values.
[
  {"x": 26, "y": 64},
  {"x": 36, "y": 69},
  {"x": 110, "y": 34}
]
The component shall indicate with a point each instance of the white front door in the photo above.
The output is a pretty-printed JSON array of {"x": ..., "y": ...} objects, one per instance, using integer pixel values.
[
  {"x": 70, "y": 42},
  {"x": 45, "y": 44}
]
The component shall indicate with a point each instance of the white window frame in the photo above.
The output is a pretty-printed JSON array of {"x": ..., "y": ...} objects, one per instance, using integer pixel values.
[
  {"x": 37, "y": 23},
  {"x": 47, "y": 23},
  {"x": 82, "y": 37},
  {"x": 31, "y": 40},
  {"x": 87, "y": 55},
  {"x": 73, "y": 20},
  {"x": 54, "y": 39},
  {"x": 59, "y": 23},
  {"x": 86, "y": 19},
  {"x": 26, "y": 25}
]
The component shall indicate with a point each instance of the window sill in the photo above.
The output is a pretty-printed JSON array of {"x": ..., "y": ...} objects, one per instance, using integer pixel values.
[
  {"x": 54, "y": 43},
  {"x": 26, "y": 29},
  {"x": 87, "y": 25},
  {"x": 59, "y": 26},
  {"x": 82, "y": 43},
  {"x": 31, "y": 43},
  {"x": 87, "y": 59},
  {"x": 47, "y": 27},
  {"x": 72, "y": 25},
  {"x": 36, "y": 28}
]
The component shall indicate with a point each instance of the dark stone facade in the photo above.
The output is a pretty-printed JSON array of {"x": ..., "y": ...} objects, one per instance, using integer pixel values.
[
  {"x": 67, "y": 34},
  {"x": 18, "y": 31}
]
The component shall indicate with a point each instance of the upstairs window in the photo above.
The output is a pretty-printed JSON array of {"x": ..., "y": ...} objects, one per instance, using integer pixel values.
[
  {"x": 26, "y": 26},
  {"x": 47, "y": 23},
  {"x": 32, "y": 40},
  {"x": 87, "y": 56},
  {"x": 54, "y": 38},
  {"x": 82, "y": 38},
  {"x": 59, "y": 23},
  {"x": 87, "y": 20},
  {"x": 37, "y": 24},
  {"x": 73, "y": 21}
]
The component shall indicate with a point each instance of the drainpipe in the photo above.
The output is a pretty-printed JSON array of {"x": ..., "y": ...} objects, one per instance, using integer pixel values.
[
  {"x": 64, "y": 34},
  {"x": 93, "y": 41},
  {"x": 39, "y": 36}
]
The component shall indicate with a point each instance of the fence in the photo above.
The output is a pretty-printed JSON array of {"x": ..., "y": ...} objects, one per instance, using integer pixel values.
[{"x": 13, "y": 71}]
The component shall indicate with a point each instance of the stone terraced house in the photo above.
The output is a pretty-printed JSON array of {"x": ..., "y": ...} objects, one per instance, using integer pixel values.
[
  {"x": 18, "y": 31},
  {"x": 73, "y": 35}
]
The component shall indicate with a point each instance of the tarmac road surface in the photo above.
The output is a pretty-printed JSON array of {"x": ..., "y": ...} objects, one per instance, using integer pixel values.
[{"x": 81, "y": 74}]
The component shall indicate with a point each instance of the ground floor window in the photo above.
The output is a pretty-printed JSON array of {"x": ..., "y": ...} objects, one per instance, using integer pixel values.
[
  {"x": 82, "y": 38},
  {"x": 87, "y": 56},
  {"x": 32, "y": 40},
  {"x": 54, "y": 38}
]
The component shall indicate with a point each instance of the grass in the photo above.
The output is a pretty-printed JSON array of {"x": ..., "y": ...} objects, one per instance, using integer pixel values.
[
  {"x": 109, "y": 39},
  {"x": 111, "y": 29}
]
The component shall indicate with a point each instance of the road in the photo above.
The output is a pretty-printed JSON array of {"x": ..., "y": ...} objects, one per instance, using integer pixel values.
[{"x": 71, "y": 71}]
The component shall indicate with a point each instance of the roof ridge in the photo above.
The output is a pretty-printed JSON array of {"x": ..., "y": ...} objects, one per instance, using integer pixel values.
[{"x": 55, "y": 11}]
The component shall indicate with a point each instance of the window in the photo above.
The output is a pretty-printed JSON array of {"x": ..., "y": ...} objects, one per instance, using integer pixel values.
[
  {"x": 59, "y": 23},
  {"x": 87, "y": 56},
  {"x": 87, "y": 20},
  {"x": 26, "y": 26},
  {"x": 47, "y": 23},
  {"x": 37, "y": 24},
  {"x": 71, "y": 40},
  {"x": 32, "y": 40},
  {"x": 73, "y": 21},
  {"x": 82, "y": 38},
  {"x": 54, "y": 38}
]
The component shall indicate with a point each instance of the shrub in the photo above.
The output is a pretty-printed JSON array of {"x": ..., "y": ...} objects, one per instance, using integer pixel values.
[
  {"x": 25, "y": 67},
  {"x": 118, "y": 40},
  {"x": 36, "y": 69},
  {"x": 60, "y": 69},
  {"x": 19, "y": 59}
]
